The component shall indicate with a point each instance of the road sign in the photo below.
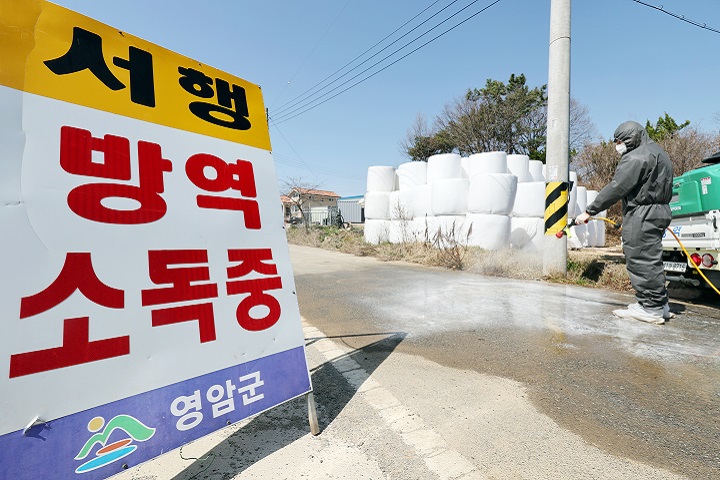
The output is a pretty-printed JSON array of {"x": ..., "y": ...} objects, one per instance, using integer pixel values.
[{"x": 147, "y": 297}]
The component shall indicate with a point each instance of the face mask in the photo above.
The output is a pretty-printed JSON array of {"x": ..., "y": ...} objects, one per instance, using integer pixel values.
[{"x": 621, "y": 148}]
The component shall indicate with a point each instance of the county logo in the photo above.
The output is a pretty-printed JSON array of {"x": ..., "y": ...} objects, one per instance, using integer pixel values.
[{"x": 109, "y": 453}]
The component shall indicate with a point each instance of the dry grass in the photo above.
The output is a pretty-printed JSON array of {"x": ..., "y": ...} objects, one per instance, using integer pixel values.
[
  {"x": 510, "y": 263},
  {"x": 590, "y": 267},
  {"x": 602, "y": 268}
]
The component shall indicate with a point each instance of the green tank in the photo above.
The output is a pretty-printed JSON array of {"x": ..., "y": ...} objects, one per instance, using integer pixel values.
[{"x": 698, "y": 190}]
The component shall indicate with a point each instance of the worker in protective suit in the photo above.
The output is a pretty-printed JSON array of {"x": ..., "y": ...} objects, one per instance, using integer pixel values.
[{"x": 643, "y": 181}]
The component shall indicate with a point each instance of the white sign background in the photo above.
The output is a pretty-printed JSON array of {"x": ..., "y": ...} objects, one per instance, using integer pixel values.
[{"x": 38, "y": 229}]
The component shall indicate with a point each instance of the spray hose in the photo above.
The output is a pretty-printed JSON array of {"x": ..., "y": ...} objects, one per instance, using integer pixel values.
[
  {"x": 692, "y": 262},
  {"x": 617, "y": 226}
]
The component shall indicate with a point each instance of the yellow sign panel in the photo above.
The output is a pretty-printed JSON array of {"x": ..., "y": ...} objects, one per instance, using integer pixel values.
[
  {"x": 51, "y": 51},
  {"x": 556, "y": 207}
]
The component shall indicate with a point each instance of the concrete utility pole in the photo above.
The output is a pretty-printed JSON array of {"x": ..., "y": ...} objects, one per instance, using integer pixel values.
[{"x": 558, "y": 131}]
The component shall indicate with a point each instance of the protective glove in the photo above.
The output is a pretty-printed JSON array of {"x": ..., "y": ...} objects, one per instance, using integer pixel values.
[{"x": 582, "y": 218}]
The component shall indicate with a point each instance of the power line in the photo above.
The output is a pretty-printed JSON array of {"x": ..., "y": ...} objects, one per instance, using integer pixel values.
[
  {"x": 298, "y": 155},
  {"x": 283, "y": 116},
  {"x": 281, "y": 159},
  {"x": 290, "y": 104},
  {"x": 679, "y": 17},
  {"x": 308, "y": 55},
  {"x": 286, "y": 117},
  {"x": 314, "y": 169}
]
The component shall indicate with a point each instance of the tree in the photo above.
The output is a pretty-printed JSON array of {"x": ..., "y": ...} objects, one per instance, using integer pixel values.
[
  {"x": 688, "y": 147},
  {"x": 293, "y": 188},
  {"x": 582, "y": 129},
  {"x": 499, "y": 116},
  {"x": 421, "y": 142},
  {"x": 666, "y": 127},
  {"x": 509, "y": 117},
  {"x": 595, "y": 164},
  {"x": 685, "y": 145}
]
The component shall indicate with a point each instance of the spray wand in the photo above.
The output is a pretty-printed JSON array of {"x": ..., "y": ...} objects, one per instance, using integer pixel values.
[{"x": 573, "y": 222}]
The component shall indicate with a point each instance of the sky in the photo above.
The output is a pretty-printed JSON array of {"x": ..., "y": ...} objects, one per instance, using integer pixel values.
[{"x": 628, "y": 62}]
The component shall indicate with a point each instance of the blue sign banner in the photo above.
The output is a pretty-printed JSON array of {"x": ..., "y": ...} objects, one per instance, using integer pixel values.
[{"x": 102, "y": 441}]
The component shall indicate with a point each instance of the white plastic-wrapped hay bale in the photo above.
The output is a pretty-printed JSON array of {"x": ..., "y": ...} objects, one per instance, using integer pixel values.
[
  {"x": 422, "y": 201},
  {"x": 450, "y": 196},
  {"x": 376, "y": 231},
  {"x": 487, "y": 231},
  {"x": 411, "y": 175},
  {"x": 393, "y": 231},
  {"x": 420, "y": 227},
  {"x": 444, "y": 166},
  {"x": 577, "y": 237},
  {"x": 592, "y": 225},
  {"x": 377, "y": 205},
  {"x": 486, "y": 162},
  {"x": 529, "y": 200},
  {"x": 463, "y": 166},
  {"x": 403, "y": 231},
  {"x": 527, "y": 233},
  {"x": 591, "y": 196},
  {"x": 591, "y": 240},
  {"x": 401, "y": 205},
  {"x": 581, "y": 199},
  {"x": 381, "y": 179},
  {"x": 492, "y": 193},
  {"x": 600, "y": 227},
  {"x": 519, "y": 165},
  {"x": 535, "y": 169},
  {"x": 572, "y": 197}
]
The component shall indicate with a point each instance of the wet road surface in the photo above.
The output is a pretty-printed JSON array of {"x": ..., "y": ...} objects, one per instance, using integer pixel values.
[{"x": 643, "y": 392}]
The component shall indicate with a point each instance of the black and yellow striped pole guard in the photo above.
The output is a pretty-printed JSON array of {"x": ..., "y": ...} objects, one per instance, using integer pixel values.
[{"x": 556, "y": 207}]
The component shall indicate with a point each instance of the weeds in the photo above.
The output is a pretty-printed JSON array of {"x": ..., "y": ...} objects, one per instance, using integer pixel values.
[
  {"x": 604, "y": 272},
  {"x": 448, "y": 248}
]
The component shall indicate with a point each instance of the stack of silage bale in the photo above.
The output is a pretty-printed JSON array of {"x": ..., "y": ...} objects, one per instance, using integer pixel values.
[
  {"x": 528, "y": 214},
  {"x": 491, "y": 196},
  {"x": 380, "y": 182}
]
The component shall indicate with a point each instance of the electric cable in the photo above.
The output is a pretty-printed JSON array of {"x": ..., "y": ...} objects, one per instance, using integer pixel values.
[
  {"x": 293, "y": 149},
  {"x": 678, "y": 16},
  {"x": 319, "y": 169},
  {"x": 280, "y": 117},
  {"x": 285, "y": 106},
  {"x": 288, "y": 116},
  {"x": 311, "y": 52}
]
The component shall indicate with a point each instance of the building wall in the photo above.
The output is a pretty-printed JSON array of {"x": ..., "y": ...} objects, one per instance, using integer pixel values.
[
  {"x": 351, "y": 210},
  {"x": 310, "y": 202}
]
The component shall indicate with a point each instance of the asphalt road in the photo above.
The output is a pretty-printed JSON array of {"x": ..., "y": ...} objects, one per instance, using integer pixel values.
[
  {"x": 423, "y": 373},
  {"x": 637, "y": 392}
]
